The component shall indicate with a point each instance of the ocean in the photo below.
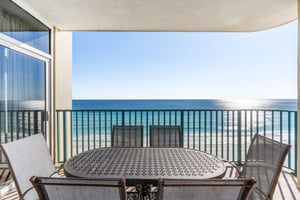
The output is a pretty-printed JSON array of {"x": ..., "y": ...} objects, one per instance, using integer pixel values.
[
  {"x": 266, "y": 104},
  {"x": 213, "y": 126}
]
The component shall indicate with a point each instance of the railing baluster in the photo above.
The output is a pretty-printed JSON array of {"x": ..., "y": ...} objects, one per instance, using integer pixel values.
[
  {"x": 182, "y": 126},
  {"x": 289, "y": 138},
  {"x": 28, "y": 123},
  {"x": 210, "y": 131},
  {"x": 245, "y": 131},
  {"x": 58, "y": 134},
  {"x": 227, "y": 147},
  {"x": 222, "y": 133},
  {"x": 65, "y": 136},
  {"x": 94, "y": 130},
  {"x": 12, "y": 125},
  {"x": 194, "y": 131},
  {"x": 205, "y": 129},
  {"x": 272, "y": 124},
  {"x": 216, "y": 135},
  {"x": 264, "y": 122},
  {"x": 281, "y": 126},
  {"x": 147, "y": 125},
  {"x": 35, "y": 122},
  {"x": 82, "y": 133},
  {"x": 23, "y": 126},
  {"x": 296, "y": 143},
  {"x": 71, "y": 131},
  {"x": 233, "y": 136},
  {"x": 239, "y": 136},
  {"x": 199, "y": 130},
  {"x": 88, "y": 129},
  {"x": 257, "y": 121},
  {"x": 207, "y": 134},
  {"x": 76, "y": 131},
  {"x": 105, "y": 128},
  {"x": 188, "y": 129}
]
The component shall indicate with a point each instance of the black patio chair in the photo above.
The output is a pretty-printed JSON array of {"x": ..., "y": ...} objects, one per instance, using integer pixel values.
[
  {"x": 127, "y": 136},
  {"x": 212, "y": 189},
  {"x": 264, "y": 162},
  {"x": 79, "y": 189},
  {"x": 165, "y": 136}
]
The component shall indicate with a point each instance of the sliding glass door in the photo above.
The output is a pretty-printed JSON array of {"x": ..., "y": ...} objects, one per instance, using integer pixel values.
[
  {"x": 23, "y": 94},
  {"x": 24, "y": 73}
]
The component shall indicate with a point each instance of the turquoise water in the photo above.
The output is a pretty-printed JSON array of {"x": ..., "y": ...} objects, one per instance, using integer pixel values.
[
  {"x": 208, "y": 125},
  {"x": 271, "y": 104},
  {"x": 196, "y": 117}
]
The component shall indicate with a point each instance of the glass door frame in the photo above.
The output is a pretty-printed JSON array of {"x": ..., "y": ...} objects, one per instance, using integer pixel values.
[{"x": 44, "y": 57}]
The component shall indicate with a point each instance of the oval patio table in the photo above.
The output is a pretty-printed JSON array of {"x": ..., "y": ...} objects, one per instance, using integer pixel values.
[{"x": 144, "y": 165}]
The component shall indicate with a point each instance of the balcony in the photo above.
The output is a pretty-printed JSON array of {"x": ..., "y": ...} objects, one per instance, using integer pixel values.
[{"x": 223, "y": 133}]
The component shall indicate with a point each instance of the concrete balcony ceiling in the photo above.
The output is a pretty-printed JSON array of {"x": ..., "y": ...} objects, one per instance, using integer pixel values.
[{"x": 164, "y": 15}]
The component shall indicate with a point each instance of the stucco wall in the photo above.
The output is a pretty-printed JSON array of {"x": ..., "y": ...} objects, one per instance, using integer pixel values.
[
  {"x": 63, "y": 70},
  {"x": 62, "y": 82}
]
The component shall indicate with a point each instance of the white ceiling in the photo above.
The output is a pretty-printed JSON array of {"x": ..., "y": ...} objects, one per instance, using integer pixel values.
[{"x": 163, "y": 15}]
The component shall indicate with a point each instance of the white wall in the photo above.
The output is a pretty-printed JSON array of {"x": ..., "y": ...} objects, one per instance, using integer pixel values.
[{"x": 62, "y": 82}]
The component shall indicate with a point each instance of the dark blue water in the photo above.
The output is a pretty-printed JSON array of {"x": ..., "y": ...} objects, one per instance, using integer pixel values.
[{"x": 268, "y": 104}]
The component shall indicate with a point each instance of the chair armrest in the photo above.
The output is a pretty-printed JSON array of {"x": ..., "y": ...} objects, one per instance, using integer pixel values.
[
  {"x": 258, "y": 190},
  {"x": 22, "y": 197},
  {"x": 234, "y": 166},
  {"x": 58, "y": 170}
]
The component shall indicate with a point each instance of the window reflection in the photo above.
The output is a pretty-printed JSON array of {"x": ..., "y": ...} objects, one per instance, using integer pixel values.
[
  {"x": 22, "y": 94},
  {"x": 20, "y": 25}
]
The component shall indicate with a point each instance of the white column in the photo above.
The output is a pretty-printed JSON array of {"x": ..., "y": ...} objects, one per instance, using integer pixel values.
[
  {"x": 62, "y": 89},
  {"x": 63, "y": 70}
]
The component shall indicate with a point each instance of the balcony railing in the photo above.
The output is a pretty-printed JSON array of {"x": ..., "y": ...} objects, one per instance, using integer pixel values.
[
  {"x": 223, "y": 133},
  {"x": 15, "y": 124}
]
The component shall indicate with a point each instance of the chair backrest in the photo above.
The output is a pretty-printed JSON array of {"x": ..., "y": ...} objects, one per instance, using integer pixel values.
[
  {"x": 26, "y": 157},
  {"x": 127, "y": 136},
  {"x": 79, "y": 189},
  {"x": 212, "y": 189},
  {"x": 264, "y": 162},
  {"x": 165, "y": 136}
]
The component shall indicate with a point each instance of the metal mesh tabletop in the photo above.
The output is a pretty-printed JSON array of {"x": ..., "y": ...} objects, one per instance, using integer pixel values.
[{"x": 144, "y": 163}]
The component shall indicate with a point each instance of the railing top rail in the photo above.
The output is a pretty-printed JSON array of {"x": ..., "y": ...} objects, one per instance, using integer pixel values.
[
  {"x": 168, "y": 110},
  {"x": 26, "y": 110}
]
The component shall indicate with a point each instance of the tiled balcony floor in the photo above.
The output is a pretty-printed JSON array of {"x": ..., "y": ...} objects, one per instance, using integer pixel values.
[{"x": 286, "y": 188}]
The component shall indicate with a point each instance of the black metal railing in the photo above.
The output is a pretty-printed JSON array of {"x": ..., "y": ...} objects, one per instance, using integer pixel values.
[
  {"x": 223, "y": 133},
  {"x": 16, "y": 124}
]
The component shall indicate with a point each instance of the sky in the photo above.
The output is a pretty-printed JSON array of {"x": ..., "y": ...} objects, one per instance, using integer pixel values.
[{"x": 186, "y": 65}]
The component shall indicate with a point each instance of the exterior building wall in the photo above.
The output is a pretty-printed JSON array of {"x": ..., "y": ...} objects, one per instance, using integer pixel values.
[
  {"x": 62, "y": 87},
  {"x": 62, "y": 70}
]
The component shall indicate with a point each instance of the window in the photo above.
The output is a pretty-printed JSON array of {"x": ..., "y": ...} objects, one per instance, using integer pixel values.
[
  {"x": 24, "y": 73},
  {"x": 20, "y": 25},
  {"x": 22, "y": 94}
]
